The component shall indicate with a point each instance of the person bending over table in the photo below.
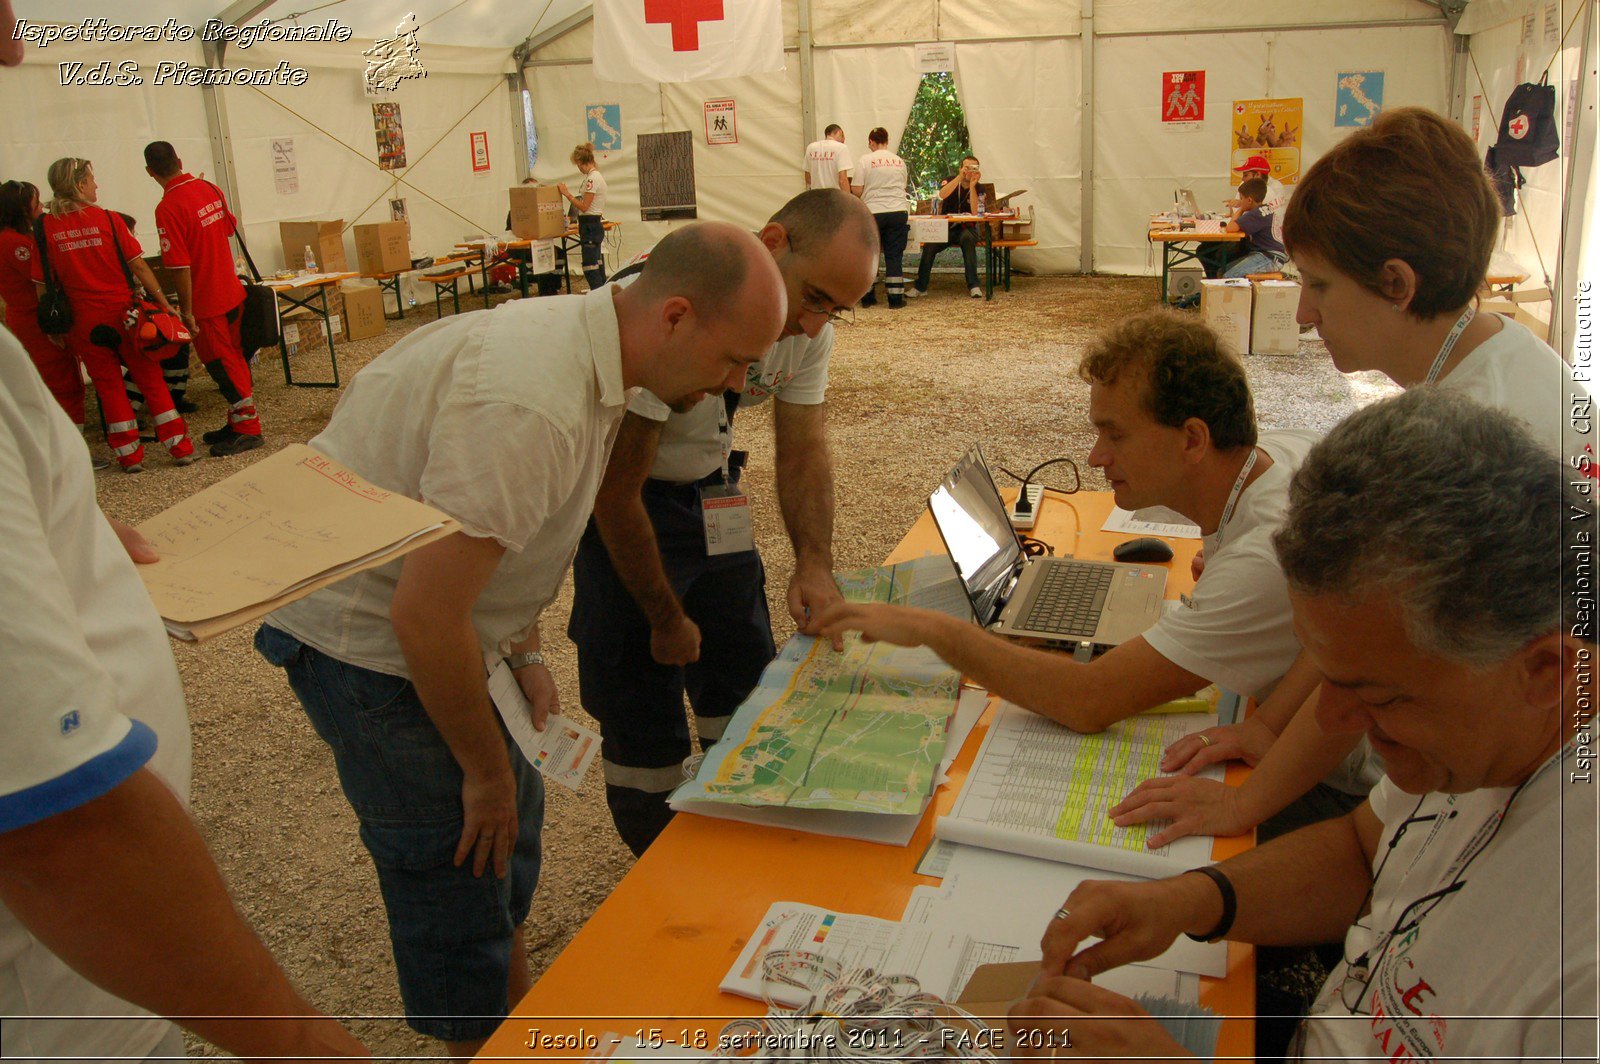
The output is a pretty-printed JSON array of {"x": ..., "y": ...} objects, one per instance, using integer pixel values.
[
  {"x": 1469, "y": 929},
  {"x": 654, "y": 616},
  {"x": 958, "y": 195},
  {"x": 1266, "y": 253},
  {"x": 511, "y": 439},
  {"x": 1392, "y": 231},
  {"x": 1176, "y": 427}
]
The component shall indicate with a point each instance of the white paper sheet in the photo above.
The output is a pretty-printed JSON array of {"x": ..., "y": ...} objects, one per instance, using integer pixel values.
[
  {"x": 1151, "y": 521},
  {"x": 565, "y": 749}
]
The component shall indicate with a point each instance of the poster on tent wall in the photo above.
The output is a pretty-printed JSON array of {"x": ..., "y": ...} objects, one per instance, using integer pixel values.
[
  {"x": 1358, "y": 97},
  {"x": 936, "y": 58},
  {"x": 1272, "y": 128},
  {"x": 722, "y": 126},
  {"x": 686, "y": 40},
  {"x": 605, "y": 125},
  {"x": 666, "y": 176},
  {"x": 1477, "y": 117},
  {"x": 480, "y": 151},
  {"x": 399, "y": 213},
  {"x": 285, "y": 169},
  {"x": 1183, "y": 97},
  {"x": 391, "y": 138}
]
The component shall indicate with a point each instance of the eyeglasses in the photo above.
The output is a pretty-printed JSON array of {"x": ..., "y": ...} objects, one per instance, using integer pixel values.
[
  {"x": 846, "y": 316},
  {"x": 1358, "y": 973}
]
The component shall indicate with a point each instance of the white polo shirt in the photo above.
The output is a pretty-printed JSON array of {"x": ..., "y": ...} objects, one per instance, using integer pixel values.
[
  {"x": 882, "y": 177},
  {"x": 504, "y": 420},
  {"x": 825, "y": 161},
  {"x": 91, "y": 696},
  {"x": 1239, "y": 631},
  {"x": 693, "y": 444},
  {"x": 594, "y": 183}
]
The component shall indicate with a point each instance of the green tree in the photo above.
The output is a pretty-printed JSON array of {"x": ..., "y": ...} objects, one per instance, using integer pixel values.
[{"x": 935, "y": 137}]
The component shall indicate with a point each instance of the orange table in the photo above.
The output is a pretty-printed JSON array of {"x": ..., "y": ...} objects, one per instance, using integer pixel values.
[
  {"x": 1170, "y": 237},
  {"x": 650, "y": 958}
]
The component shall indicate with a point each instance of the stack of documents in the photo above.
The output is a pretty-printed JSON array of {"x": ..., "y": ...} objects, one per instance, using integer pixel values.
[{"x": 290, "y": 524}]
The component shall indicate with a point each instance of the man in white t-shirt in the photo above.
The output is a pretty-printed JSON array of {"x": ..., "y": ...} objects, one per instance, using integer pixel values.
[
  {"x": 1440, "y": 564},
  {"x": 828, "y": 163},
  {"x": 655, "y": 614},
  {"x": 109, "y": 903},
  {"x": 880, "y": 181},
  {"x": 503, "y": 419},
  {"x": 1176, "y": 428}
]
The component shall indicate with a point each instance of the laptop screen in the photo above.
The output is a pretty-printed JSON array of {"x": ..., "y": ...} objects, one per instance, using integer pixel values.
[{"x": 972, "y": 520}]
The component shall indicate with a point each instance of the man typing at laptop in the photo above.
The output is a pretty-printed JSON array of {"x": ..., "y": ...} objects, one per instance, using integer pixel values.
[{"x": 1176, "y": 428}]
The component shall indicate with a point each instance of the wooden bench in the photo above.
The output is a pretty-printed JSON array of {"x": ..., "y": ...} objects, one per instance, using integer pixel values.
[
  {"x": 453, "y": 279},
  {"x": 1004, "y": 263}
]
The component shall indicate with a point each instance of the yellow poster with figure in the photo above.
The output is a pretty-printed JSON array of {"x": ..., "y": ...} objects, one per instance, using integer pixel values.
[{"x": 1272, "y": 129}]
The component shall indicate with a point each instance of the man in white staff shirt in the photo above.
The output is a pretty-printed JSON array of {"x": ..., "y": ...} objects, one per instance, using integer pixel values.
[
  {"x": 828, "y": 162},
  {"x": 504, "y": 420},
  {"x": 1440, "y": 565}
]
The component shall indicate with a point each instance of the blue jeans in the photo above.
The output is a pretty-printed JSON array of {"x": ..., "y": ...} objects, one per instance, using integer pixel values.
[
  {"x": 451, "y": 931},
  {"x": 1255, "y": 262}
]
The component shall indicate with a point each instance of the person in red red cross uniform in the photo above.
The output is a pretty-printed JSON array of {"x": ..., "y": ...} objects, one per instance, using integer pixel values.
[{"x": 194, "y": 224}]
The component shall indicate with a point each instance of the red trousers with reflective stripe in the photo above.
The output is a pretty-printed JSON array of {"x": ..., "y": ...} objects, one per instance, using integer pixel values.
[
  {"x": 105, "y": 363},
  {"x": 219, "y": 342},
  {"x": 58, "y": 367}
]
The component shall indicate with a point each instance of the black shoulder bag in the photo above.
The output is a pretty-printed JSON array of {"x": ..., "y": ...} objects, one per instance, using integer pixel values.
[
  {"x": 55, "y": 310},
  {"x": 258, "y": 314}
]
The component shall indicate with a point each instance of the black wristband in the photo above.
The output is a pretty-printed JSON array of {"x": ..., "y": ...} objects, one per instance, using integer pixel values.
[{"x": 1230, "y": 904}]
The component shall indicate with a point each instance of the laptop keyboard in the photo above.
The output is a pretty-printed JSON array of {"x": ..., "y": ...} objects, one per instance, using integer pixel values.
[{"x": 1069, "y": 600}]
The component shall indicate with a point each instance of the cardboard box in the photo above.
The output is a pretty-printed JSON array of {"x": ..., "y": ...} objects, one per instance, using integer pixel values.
[
  {"x": 363, "y": 312},
  {"x": 538, "y": 212},
  {"x": 326, "y": 240},
  {"x": 305, "y": 329},
  {"x": 1225, "y": 306},
  {"x": 383, "y": 247},
  {"x": 1273, "y": 330}
]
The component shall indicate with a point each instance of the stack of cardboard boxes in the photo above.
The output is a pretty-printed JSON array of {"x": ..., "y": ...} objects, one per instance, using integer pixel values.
[
  {"x": 355, "y": 312},
  {"x": 1252, "y": 316}
]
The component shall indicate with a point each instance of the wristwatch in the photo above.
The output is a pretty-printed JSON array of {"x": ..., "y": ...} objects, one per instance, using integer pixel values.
[{"x": 524, "y": 659}]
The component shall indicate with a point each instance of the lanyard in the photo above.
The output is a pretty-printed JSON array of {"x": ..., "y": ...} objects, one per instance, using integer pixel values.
[
  {"x": 724, "y": 430},
  {"x": 1233, "y": 496},
  {"x": 1449, "y": 344}
]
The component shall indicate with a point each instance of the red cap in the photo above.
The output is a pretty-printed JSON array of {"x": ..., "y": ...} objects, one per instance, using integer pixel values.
[{"x": 1254, "y": 164}]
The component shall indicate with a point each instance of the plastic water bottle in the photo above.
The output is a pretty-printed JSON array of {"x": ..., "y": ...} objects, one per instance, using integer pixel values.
[{"x": 311, "y": 260}]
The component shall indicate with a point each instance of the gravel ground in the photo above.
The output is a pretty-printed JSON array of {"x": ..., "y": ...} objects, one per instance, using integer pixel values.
[{"x": 910, "y": 390}]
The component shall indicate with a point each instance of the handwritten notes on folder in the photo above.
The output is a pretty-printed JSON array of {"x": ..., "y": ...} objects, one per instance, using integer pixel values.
[{"x": 290, "y": 524}]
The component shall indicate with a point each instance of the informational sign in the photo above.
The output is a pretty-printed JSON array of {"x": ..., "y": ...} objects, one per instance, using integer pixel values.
[
  {"x": 1269, "y": 128},
  {"x": 1358, "y": 97},
  {"x": 1477, "y": 117},
  {"x": 399, "y": 213},
  {"x": 391, "y": 138},
  {"x": 936, "y": 58},
  {"x": 666, "y": 176},
  {"x": 285, "y": 169},
  {"x": 605, "y": 125},
  {"x": 722, "y": 126},
  {"x": 1183, "y": 96},
  {"x": 1527, "y": 28},
  {"x": 1552, "y": 22},
  {"x": 480, "y": 151}
]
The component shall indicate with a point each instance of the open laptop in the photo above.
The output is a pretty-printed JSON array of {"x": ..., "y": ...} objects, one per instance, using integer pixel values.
[
  {"x": 1186, "y": 205},
  {"x": 1058, "y": 600}
]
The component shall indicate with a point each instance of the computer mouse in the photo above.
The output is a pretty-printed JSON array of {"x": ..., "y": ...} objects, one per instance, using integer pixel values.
[{"x": 1143, "y": 549}]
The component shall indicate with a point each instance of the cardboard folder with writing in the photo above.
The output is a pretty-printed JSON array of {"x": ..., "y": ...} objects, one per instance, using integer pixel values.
[{"x": 290, "y": 524}]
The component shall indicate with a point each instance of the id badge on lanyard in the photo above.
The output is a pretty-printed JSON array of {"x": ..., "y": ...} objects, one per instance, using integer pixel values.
[{"x": 725, "y": 508}]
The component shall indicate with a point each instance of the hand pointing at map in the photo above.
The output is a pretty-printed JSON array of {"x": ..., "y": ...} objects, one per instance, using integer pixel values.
[{"x": 899, "y": 625}]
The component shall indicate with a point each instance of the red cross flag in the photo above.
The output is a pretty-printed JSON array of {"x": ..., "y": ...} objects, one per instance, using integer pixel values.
[{"x": 686, "y": 40}]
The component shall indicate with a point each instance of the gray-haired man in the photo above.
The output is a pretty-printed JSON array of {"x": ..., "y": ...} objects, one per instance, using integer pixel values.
[{"x": 1441, "y": 572}]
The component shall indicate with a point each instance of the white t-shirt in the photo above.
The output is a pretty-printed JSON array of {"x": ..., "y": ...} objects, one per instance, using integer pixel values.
[
  {"x": 1519, "y": 373},
  {"x": 91, "y": 696},
  {"x": 693, "y": 444},
  {"x": 504, "y": 420},
  {"x": 594, "y": 183},
  {"x": 825, "y": 161},
  {"x": 1238, "y": 633},
  {"x": 882, "y": 177},
  {"x": 1508, "y": 944},
  {"x": 1274, "y": 205}
]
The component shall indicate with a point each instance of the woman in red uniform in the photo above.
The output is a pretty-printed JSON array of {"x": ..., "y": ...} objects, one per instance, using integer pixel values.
[
  {"x": 82, "y": 241},
  {"x": 19, "y": 206}
]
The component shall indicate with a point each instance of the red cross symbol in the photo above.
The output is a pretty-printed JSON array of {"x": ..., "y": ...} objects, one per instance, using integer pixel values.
[{"x": 685, "y": 17}]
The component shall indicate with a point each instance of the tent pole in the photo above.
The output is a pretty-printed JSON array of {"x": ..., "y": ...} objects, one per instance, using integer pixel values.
[
  {"x": 808, "y": 79},
  {"x": 1086, "y": 142},
  {"x": 216, "y": 105},
  {"x": 1574, "y": 205},
  {"x": 1458, "y": 78},
  {"x": 517, "y": 86}
]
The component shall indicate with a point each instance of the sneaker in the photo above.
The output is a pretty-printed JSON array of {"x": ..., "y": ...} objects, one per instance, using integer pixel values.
[
  {"x": 238, "y": 443},
  {"x": 184, "y": 406},
  {"x": 97, "y": 463},
  {"x": 135, "y": 468},
  {"x": 218, "y": 435},
  {"x": 913, "y": 292},
  {"x": 976, "y": 293},
  {"x": 184, "y": 459}
]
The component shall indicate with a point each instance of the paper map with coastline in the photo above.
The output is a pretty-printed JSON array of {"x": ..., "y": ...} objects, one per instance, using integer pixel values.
[{"x": 857, "y": 731}]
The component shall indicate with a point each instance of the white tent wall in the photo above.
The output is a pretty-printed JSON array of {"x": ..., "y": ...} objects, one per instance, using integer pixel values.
[
  {"x": 465, "y": 91},
  {"x": 108, "y": 125},
  {"x": 1023, "y": 97},
  {"x": 1139, "y": 159}
]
